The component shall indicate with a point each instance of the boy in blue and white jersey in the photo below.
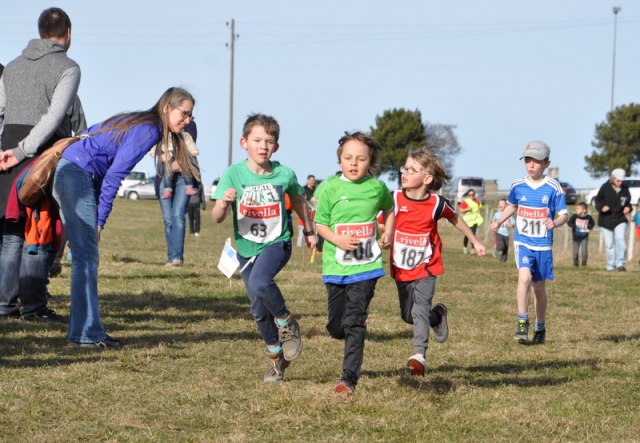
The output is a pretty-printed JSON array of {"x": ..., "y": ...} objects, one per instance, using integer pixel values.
[{"x": 538, "y": 199}]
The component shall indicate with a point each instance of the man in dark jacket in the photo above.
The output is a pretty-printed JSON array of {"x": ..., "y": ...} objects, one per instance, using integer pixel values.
[
  {"x": 36, "y": 91},
  {"x": 613, "y": 203}
]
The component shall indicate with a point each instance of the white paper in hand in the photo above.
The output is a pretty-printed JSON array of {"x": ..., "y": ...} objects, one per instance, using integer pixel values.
[{"x": 228, "y": 261}]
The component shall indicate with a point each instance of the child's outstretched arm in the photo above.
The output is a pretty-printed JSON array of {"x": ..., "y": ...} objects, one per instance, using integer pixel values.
[
  {"x": 221, "y": 209},
  {"x": 385, "y": 238},
  {"x": 462, "y": 226},
  {"x": 301, "y": 207},
  {"x": 508, "y": 211}
]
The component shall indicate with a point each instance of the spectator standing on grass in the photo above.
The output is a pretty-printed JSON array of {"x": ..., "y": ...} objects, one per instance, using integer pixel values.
[
  {"x": 36, "y": 91},
  {"x": 416, "y": 249},
  {"x": 470, "y": 208},
  {"x": 196, "y": 202},
  {"x": 85, "y": 185},
  {"x": 581, "y": 224},
  {"x": 352, "y": 260},
  {"x": 174, "y": 209},
  {"x": 636, "y": 220},
  {"x": 254, "y": 192},
  {"x": 502, "y": 236},
  {"x": 538, "y": 199},
  {"x": 310, "y": 187},
  {"x": 613, "y": 203}
]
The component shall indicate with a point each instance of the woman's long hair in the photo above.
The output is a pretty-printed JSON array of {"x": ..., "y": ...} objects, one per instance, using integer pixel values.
[{"x": 172, "y": 97}]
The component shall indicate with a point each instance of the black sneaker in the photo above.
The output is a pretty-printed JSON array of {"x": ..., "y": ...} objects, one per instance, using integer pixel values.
[
  {"x": 441, "y": 332},
  {"x": 621, "y": 268},
  {"x": 107, "y": 343},
  {"x": 45, "y": 314},
  {"x": 56, "y": 268},
  {"x": 539, "y": 337}
]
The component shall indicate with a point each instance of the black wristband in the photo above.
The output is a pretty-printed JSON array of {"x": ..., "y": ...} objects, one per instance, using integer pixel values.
[{"x": 308, "y": 233}]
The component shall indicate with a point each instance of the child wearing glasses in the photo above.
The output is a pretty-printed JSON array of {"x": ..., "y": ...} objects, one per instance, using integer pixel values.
[
  {"x": 352, "y": 260},
  {"x": 167, "y": 188},
  {"x": 416, "y": 249}
]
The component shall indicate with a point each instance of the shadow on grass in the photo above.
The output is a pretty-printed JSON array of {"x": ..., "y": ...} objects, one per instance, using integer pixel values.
[{"x": 618, "y": 338}]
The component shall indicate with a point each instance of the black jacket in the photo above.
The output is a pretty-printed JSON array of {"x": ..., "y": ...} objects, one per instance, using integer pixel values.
[{"x": 616, "y": 201}]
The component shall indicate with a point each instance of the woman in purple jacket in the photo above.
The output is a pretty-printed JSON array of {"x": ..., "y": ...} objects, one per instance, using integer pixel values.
[{"x": 85, "y": 184}]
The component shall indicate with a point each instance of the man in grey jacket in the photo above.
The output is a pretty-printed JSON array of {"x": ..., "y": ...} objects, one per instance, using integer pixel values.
[{"x": 36, "y": 91}]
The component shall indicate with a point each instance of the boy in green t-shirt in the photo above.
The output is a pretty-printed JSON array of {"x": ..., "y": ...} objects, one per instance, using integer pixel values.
[
  {"x": 255, "y": 190},
  {"x": 352, "y": 259}
]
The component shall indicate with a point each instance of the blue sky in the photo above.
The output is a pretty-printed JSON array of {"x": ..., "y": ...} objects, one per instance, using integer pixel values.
[{"x": 504, "y": 72}]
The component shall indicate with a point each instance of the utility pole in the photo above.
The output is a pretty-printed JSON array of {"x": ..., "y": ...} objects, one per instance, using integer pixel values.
[
  {"x": 616, "y": 9},
  {"x": 233, "y": 39}
]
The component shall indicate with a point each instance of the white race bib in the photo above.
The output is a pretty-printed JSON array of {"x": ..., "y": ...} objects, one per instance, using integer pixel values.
[
  {"x": 410, "y": 250},
  {"x": 531, "y": 221},
  {"x": 368, "y": 249},
  {"x": 260, "y": 224}
]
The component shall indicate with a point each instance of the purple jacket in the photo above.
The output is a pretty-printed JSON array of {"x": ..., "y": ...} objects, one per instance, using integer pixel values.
[{"x": 111, "y": 162}]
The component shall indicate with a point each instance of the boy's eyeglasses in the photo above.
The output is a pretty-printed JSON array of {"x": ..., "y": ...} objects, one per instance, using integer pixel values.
[
  {"x": 411, "y": 171},
  {"x": 185, "y": 114}
]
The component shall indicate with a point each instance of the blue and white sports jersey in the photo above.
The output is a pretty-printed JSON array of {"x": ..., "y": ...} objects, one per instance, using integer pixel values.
[{"x": 536, "y": 202}]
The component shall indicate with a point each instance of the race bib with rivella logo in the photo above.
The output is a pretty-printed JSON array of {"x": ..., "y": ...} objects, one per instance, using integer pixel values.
[
  {"x": 530, "y": 221},
  {"x": 410, "y": 250},
  {"x": 260, "y": 214},
  {"x": 368, "y": 249}
]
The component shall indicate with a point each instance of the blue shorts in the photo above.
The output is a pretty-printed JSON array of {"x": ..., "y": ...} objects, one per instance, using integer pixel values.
[{"x": 539, "y": 262}]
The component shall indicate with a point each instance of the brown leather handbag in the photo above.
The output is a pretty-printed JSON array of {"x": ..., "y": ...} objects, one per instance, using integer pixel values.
[{"x": 36, "y": 183}]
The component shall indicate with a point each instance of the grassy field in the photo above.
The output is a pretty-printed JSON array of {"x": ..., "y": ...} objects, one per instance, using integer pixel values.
[{"x": 193, "y": 363}]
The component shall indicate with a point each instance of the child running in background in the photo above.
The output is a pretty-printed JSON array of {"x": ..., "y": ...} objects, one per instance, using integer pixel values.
[
  {"x": 537, "y": 198},
  {"x": 416, "y": 249},
  {"x": 502, "y": 236},
  {"x": 581, "y": 224},
  {"x": 470, "y": 208},
  {"x": 352, "y": 260},
  {"x": 189, "y": 182},
  {"x": 255, "y": 191}
]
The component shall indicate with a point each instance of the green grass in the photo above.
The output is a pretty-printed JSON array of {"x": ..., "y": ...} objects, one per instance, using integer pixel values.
[{"x": 193, "y": 365}]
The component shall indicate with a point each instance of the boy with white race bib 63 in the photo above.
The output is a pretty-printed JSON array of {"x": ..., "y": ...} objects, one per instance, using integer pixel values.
[
  {"x": 416, "y": 249},
  {"x": 537, "y": 200},
  {"x": 352, "y": 260},
  {"x": 254, "y": 190}
]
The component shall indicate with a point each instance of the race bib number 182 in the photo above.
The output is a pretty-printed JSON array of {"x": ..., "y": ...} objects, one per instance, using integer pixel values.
[{"x": 368, "y": 249}]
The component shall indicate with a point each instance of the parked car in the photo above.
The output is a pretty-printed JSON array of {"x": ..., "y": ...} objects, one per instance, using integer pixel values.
[
  {"x": 634, "y": 190},
  {"x": 133, "y": 178},
  {"x": 214, "y": 185},
  {"x": 142, "y": 191},
  {"x": 459, "y": 186},
  {"x": 570, "y": 193}
]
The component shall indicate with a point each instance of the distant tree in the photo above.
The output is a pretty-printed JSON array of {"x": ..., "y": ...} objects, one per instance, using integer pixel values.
[
  {"x": 442, "y": 137},
  {"x": 617, "y": 142},
  {"x": 397, "y": 131}
]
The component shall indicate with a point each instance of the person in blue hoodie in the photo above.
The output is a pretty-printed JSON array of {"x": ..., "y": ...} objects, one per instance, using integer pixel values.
[{"x": 85, "y": 185}]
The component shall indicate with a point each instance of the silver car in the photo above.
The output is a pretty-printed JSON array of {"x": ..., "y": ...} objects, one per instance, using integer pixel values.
[{"x": 142, "y": 191}]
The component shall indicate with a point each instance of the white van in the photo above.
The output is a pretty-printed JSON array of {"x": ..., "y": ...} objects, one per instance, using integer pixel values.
[
  {"x": 133, "y": 178},
  {"x": 459, "y": 186}
]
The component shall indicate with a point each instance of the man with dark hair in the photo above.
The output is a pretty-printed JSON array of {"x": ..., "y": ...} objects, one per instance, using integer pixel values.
[
  {"x": 36, "y": 91},
  {"x": 310, "y": 187}
]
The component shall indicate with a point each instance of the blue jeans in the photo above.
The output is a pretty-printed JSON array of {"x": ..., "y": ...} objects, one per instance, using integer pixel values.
[
  {"x": 265, "y": 297},
  {"x": 74, "y": 191},
  {"x": 23, "y": 276},
  {"x": 174, "y": 211},
  {"x": 615, "y": 246}
]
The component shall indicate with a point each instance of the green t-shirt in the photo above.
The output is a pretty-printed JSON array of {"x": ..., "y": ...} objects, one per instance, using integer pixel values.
[
  {"x": 259, "y": 213},
  {"x": 351, "y": 208}
]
